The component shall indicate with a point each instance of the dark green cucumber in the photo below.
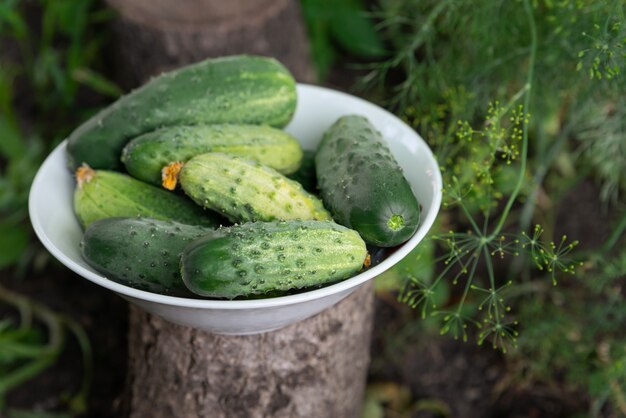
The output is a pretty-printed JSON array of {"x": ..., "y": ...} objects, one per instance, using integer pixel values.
[
  {"x": 146, "y": 155},
  {"x": 106, "y": 194},
  {"x": 244, "y": 190},
  {"x": 362, "y": 184},
  {"x": 306, "y": 173},
  {"x": 260, "y": 257},
  {"x": 236, "y": 89},
  {"x": 142, "y": 253}
]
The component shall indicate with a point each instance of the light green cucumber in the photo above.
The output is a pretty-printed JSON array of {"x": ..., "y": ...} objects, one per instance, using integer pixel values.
[
  {"x": 143, "y": 253},
  {"x": 237, "y": 89},
  {"x": 106, "y": 194},
  {"x": 244, "y": 190},
  {"x": 260, "y": 257},
  {"x": 146, "y": 155}
]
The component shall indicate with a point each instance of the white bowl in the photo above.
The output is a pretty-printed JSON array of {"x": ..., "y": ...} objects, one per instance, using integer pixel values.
[{"x": 52, "y": 216}]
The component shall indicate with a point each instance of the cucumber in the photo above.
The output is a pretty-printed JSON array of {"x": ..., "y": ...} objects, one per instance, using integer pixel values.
[
  {"x": 142, "y": 253},
  {"x": 260, "y": 257},
  {"x": 306, "y": 173},
  {"x": 235, "y": 89},
  {"x": 244, "y": 190},
  {"x": 363, "y": 186},
  {"x": 106, "y": 194},
  {"x": 146, "y": 155}
]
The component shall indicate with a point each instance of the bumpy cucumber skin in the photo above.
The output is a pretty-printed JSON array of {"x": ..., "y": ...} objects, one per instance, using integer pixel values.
[
  {"x": 110, "y": 194},
  {"x": 260, "y": 257},
  {"x": 237, "y": 89},
  {"x": 362, "y": 185},
  {"x": 306, "y": 173},
  {"x": 146, "y": 155},
  {"x": 142, "y": 253},
  {"x": 246, "y": 191}
]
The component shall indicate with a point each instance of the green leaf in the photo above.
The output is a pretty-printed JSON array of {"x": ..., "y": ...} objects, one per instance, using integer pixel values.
[
  {"x": 10, "y": 17},
  {"x": 316, "y": 14},
  {"x": 13, "y": 351},
  {"x": 373, "y": 408},
  {"x": 322, "y": 49},
  {"x": 344, "y": 22},
  {"x": 12, "y": 144},
  {"x": 13, "y": 242},
  {"x": 96, "y": 82},
  {"x": 355, "y": 31},
  {"x": 7, "y": 77},
  {"x": 21, "y": 413}
]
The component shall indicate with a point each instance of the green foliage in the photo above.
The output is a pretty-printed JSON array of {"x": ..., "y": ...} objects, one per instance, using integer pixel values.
[
  {"x": 52, "y": 49},
  {"x": 605, "y": 55},
  {"x": 601, "y": 131},
  {"x": 45, "y": 74},
  {"x": 505, "y": 128},
  {"x": 449, "y": 58},
  {"x": 26, "y": 349},
  {"x": 339, "y": 25},
  {"x": 575, "y": 332},
  {"x": 467, "y": 75},
  {"x": 453, "y": 56},
  {"x": 22, "y": 157}
]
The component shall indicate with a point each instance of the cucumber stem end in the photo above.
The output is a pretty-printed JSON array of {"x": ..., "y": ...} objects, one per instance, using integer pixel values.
[
  {"x": 396, "y": 222},
  {"x": 169, "y": 175},
  {"x": 84, "y": 174}
]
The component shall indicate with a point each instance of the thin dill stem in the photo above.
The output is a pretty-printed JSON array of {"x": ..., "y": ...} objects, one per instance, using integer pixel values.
[
  {"x": 50, "y": 351},
  {"x": 443, "y": 273},
  {"x": 85, "y": 346},
  {"x": 528, "y": 209},
  {"x": 618, "y": 230},
  {"x": 26, "y": 318},
  {"x": 525, "y": 90},
  {"x": 499, "y": 61},
  {"x": 468, "y": 284},
  {"x": 492, "y": 279},
  {"x": 467, "y": 242},
  {"x": 486, "y": 223},
  {"x": 504, "y": 110},
  {"x": 542, "y": 171},
  {"x": 529, "y": 81},
  {"x": 471, "y": 219},
  {"x": 418, "y": 40}
]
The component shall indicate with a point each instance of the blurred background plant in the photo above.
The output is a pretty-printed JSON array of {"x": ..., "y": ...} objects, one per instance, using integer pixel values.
[
  {"x": 47, "y": 70},
  {"x": 50, "y": 53},
  {"x": 523, "y": 104}
]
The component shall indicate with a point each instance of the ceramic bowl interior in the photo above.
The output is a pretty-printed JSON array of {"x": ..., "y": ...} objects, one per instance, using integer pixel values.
[{"x": 52, "y": 216}]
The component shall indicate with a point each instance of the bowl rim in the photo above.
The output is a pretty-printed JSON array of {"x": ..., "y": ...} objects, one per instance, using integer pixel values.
[{"x": 426, "y": 222}]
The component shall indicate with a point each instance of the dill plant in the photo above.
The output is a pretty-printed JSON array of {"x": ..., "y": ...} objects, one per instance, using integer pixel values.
[
  {"x": 520, "y": 101},
  {"x": 467, "y": 75}
]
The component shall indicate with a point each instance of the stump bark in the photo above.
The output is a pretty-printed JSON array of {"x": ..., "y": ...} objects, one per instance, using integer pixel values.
[{"x": 315, "y": 368}]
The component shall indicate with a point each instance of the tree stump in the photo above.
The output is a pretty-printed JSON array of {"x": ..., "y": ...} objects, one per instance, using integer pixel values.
[
  {"x": 153, "y": 36},
  {"x": 315, "y": 368}
]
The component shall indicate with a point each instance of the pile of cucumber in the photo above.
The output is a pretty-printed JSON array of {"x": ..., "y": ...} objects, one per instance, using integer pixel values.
[{"x": 188, "y": 186}]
